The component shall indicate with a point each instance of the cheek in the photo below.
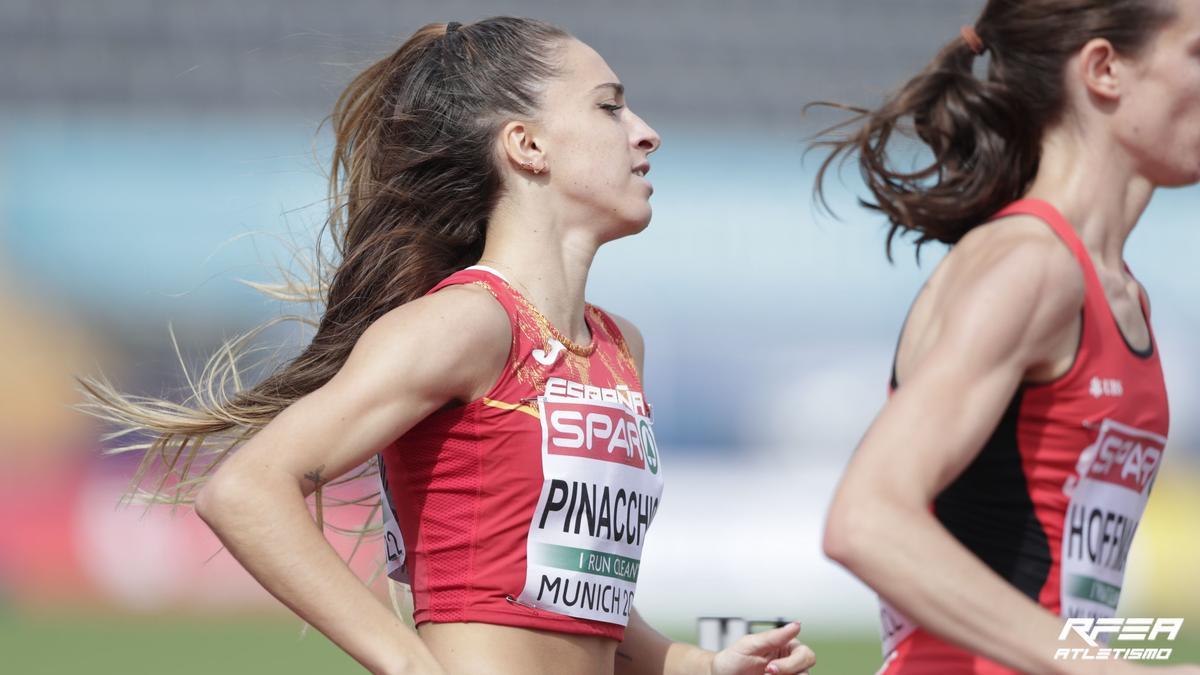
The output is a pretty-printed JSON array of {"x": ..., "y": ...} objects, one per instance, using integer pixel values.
[
  {"x": 1181, "y": 122},
  {"x": 1179, "y": 105},
  {"x": 591, "y": 163},
  {"x": 1147, "y": 119},
  {"x": 597, "y": 166},
  {"x": 1165, "y": 136}
]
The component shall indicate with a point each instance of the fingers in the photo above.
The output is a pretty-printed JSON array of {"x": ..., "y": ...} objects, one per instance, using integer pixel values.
[
  {"x": 771, "y": 641},
  {"x": 797, "y": 662}
]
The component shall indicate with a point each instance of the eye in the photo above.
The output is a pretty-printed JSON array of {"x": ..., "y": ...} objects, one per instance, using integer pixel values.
[{"x": 611, "y": 108}]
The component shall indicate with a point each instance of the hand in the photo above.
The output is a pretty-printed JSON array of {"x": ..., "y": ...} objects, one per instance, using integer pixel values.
[{"x": 773, "y": 652}]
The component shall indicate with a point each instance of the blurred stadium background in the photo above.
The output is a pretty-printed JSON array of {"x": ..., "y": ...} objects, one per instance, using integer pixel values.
[{"x": 141, "y": 141}]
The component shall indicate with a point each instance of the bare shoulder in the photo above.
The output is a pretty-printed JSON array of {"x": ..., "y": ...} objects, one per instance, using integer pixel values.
[
  {"x": 464, "y": 315},
  {"x": 407, "y": 364},
  {"x": 1009, "y": 292},
  {"x": 633, "y": 338},
  {"x": 1021, "y": 240},
  {"x": 1019, "y": 263},
  {"x": 458, "y": 337}
]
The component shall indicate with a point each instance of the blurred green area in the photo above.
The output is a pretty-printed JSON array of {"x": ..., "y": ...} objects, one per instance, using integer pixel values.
[{"x": 98, "y": 644}]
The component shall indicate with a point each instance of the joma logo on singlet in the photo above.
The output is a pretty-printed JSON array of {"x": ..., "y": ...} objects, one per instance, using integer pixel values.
[
  {"x": 1122, "y": 456},
  {"x": 547, "y": 358}
]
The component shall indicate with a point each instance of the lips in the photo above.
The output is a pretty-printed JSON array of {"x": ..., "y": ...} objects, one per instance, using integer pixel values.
[{"x": 641, "y": 170}]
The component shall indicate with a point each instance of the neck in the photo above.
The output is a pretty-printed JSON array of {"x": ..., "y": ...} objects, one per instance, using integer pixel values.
[
  {"x": 1092, "y": 183},
  {"x": 543, "y": 257}
]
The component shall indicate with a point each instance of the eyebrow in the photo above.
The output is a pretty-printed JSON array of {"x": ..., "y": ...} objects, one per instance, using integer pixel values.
[{"x": 617, "y": 87}]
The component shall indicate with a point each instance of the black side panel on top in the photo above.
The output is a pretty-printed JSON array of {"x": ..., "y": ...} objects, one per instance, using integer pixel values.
[{"x": 990, "y": 510}]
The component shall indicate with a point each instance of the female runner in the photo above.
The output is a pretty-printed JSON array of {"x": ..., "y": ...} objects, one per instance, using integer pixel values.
[
  {"x": 999, "y": 489},
  {"x": 476, "y": 171}
]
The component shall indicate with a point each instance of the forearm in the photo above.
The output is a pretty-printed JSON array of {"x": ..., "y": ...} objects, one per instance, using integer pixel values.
[
  {"x": 268, "y": 529},
  {"x": 686, "y": 659},
  {"x": 645, "y": 651},
  {"x": 915, "y": 564}
]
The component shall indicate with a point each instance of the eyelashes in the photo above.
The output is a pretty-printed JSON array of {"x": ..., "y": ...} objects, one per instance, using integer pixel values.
[{"x": 611, "y": 108}]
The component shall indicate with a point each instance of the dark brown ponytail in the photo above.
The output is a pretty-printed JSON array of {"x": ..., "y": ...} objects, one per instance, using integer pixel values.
[
  {"x": 413, "y": 182},
  {"x": 983, "y": 134}
]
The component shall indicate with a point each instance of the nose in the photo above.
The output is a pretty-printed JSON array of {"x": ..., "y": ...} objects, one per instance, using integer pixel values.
[{"x": 644, "y": 137}]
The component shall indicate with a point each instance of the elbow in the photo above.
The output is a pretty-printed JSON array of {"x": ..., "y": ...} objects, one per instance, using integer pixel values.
[
  {"x": 864, "y": 532},
  {"x": 839, "y": 541},
  {"x": 215, "y": 498},
  {"x": 234, "y": 493},
  {"x": 207, "y": 501},
  {"x": 850, "y": 532}
]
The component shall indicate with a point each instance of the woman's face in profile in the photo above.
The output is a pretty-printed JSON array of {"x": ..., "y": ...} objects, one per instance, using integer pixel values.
[{"x": 596, "y": 148}]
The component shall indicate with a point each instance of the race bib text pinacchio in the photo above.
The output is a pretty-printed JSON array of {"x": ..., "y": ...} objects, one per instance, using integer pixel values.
[{"x": 601, "y": 486}]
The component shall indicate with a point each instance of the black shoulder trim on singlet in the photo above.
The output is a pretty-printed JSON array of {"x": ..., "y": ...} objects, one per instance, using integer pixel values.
[
  {"x": 989, "y": 509},
  {"x": 894, "y": 383},
  {"x": 1145, "y": 352},
  {"x": 1144, "y": 306}
]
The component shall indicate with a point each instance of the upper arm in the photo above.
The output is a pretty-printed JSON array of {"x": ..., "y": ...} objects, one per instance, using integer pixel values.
[
  {"x": 1001, "y": 315},
  {"x": 633, "y": 340},
  {"x": 412, "y": 361}
]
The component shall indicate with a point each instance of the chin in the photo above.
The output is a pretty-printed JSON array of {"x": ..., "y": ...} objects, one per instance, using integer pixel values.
[
  {"x": 627, "y": 227},
  {"x": 1181, "y": 177},
  {"x": 1192, "y": 178},
  {"x": 1172, "y": 171},
  {"x": 639, "y": 223},
  {"x": 644, "y": 221}
]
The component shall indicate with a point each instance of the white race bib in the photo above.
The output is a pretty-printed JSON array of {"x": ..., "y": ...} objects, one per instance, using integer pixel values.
[
  {"x": 601, "y": 488},
  {"x": 1108, "y": 495},
  {"x": 393, "y": 542}
]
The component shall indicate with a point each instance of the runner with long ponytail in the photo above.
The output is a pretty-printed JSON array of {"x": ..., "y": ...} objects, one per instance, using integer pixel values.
[
  {"x": 997, "y": 493},
  {"x": 476, "y": 171}
]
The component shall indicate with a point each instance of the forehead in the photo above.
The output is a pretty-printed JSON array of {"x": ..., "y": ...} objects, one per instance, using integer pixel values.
[{"x": 582, "y": 68}]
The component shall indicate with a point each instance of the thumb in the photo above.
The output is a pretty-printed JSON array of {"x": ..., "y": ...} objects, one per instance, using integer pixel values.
[{"x": 774, "y": 639}]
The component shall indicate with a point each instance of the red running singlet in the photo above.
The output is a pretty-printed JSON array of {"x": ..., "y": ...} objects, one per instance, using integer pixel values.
[
  {"x": 528, "y": 506},
  {"x": 1054, "y": 498}
]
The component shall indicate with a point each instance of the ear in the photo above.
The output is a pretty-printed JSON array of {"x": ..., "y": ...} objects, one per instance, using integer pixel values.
[
  {"x": 520, "y": 143},
  {"x": 1101, "y": 69}
]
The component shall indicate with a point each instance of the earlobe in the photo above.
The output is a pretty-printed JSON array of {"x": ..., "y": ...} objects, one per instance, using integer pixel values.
[
  {"x": 533, "y": 168},
  {"x": 522, "y": 148}
]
